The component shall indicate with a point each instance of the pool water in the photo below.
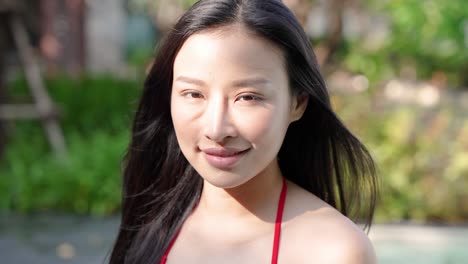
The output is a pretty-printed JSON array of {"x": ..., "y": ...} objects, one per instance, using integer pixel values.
[{"x": 420, "y": 244}]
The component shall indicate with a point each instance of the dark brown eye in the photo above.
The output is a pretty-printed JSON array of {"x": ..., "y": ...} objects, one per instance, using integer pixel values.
[
  {"x": 248, "y": 97},
  {"x": 193, "y": 95}
]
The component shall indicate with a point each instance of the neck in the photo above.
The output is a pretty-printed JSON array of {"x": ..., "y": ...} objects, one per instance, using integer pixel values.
[{"x": 257, "y": 199}]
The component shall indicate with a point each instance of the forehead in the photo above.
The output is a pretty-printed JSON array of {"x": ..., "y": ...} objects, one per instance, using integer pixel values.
[{"x": 231, "y": 48}]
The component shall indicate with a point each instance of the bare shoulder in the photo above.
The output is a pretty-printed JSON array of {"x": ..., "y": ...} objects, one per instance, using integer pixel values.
[{"x": 319, "y": 233}]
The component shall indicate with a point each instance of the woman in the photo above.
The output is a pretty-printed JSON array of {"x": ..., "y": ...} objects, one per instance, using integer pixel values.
[{"x": 236, "y": 154}]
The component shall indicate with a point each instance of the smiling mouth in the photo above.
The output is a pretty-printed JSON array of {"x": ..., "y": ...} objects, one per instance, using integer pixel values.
[{"x": 223, "y": 158}]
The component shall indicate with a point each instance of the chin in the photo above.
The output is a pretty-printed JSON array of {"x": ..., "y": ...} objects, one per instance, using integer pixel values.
[{"x": 224, "y": 179}]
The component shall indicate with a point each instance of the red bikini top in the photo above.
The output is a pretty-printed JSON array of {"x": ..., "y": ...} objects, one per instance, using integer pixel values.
[{"x": 276, "y": 239}]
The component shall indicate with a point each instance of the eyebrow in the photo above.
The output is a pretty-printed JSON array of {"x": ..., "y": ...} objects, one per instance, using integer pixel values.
[
  {"x": 255, "y": 81},
  {"x": 251, "y": 82},
  {"x": 190, "y": 80}
]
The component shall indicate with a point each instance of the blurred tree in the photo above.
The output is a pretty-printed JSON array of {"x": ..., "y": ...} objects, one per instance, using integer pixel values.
[
  {"x": 62, "y": 35},
  {"x": 14, "y": 30},
  {"x": 57, "y": 28},
  {"x": 334, "y": 36},
  {"x": 163, "y": 12},
  {"x": 6, "y": 7},
  {"x": 428, "y": 38}
]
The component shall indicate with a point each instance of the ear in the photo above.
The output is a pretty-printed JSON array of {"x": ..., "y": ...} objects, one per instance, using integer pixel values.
[{"x": 298, "y": 106}]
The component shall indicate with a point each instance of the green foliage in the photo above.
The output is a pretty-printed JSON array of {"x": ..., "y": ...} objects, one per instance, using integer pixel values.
[
  {"x": 96, "y": 123},
  {"x": 421, "y": 155},
  {"x": 428, "y": 36}
]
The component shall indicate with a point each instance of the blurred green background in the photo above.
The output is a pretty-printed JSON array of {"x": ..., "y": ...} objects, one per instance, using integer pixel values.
[{"x": 397, "y": 71}]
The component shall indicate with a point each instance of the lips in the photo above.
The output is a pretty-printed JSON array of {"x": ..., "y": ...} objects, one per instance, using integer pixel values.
[{"x": 223, "y": 158}]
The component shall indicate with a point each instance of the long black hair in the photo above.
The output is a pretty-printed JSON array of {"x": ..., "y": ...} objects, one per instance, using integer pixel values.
[{"x": 319, "y": 154}]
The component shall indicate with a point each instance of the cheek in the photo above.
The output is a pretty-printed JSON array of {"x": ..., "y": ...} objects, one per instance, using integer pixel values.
[
  {"x": 265, "y": 129},
  {"x": 182, "y": 119}
]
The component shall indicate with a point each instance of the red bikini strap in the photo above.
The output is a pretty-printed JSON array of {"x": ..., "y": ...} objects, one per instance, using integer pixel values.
[
  {"x": 279, "y": 219},
  {"x": 164, "y": 258}
]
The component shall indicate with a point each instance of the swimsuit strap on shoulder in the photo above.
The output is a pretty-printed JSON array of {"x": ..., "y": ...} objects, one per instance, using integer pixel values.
[
  {"x": 164, "y": 258},
  {"x": 279, "y": 220}
]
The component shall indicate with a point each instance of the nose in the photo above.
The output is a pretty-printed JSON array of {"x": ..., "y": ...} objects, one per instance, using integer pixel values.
[{"x": 218, "y": 126}]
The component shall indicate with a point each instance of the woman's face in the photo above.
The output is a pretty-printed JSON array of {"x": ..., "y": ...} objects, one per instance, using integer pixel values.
[{"x": 230, "y": 104}]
